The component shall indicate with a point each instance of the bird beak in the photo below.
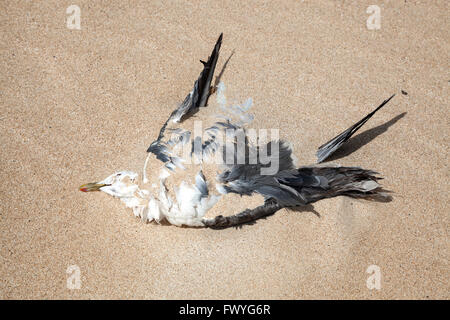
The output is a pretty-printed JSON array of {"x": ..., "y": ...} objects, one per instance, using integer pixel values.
[{"x": 89, "y": 187}]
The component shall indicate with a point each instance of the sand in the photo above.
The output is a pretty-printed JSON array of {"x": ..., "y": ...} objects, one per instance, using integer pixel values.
[{"x": 78, "y": 105}]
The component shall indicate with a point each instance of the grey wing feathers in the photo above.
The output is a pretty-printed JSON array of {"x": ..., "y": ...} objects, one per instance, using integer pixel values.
[
  {"x": 194, "y": 100},
  {"x": 252, "y": 171},
  {"x": 198, "y": 97},
  {"x": 310, "y": 184},
  {"x": 331, "y": 146}
]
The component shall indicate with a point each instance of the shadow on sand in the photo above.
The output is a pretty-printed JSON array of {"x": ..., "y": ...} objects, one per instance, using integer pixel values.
[{"x": 362, "y": 139}]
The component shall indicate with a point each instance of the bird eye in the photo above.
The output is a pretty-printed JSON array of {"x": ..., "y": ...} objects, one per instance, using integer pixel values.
[{"x": 226, "y": 174}]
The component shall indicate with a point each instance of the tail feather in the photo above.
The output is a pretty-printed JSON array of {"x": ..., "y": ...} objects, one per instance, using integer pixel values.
[{"x": 343, "y": 181}]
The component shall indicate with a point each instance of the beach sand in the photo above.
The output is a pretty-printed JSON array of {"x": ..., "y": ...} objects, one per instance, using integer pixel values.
[{"x": 79, "y": 105}]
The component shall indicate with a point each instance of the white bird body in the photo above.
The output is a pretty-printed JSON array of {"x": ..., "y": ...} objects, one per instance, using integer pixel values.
[{"x": 175, "y": 195}]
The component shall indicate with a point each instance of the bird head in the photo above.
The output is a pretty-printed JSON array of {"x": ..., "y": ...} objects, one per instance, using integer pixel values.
[{"x": 119, "y": 184}]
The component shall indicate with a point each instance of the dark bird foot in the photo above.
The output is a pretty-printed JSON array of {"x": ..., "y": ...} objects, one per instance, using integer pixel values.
[{"x": 244, "y": 217}]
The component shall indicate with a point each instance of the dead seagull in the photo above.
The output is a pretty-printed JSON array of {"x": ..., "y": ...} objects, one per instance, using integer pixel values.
[{"x": 203, "y": 154}]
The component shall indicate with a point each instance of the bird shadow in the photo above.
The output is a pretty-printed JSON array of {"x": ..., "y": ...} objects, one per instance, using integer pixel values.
[
  {"x": 310, "y": 208},
  {"x": 363, "y": 138},
  {"x": 305, "y": 208},
  {"x": 219, "y": 76}
]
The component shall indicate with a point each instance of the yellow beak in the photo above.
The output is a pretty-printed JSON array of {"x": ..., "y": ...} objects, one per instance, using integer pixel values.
[{"x": 89, "y": 187}]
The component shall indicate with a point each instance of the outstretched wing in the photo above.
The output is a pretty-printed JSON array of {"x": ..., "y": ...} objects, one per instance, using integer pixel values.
[
  {"x": 331, "y": 146},
  {"x": 197, "y": 98}
]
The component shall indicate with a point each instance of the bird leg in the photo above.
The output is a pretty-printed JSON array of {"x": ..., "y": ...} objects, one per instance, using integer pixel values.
[{"x": 248, "y": 215}]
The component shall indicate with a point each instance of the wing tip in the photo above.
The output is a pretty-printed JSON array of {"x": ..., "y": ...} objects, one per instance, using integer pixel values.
[{"x": 325, "y": 150}]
